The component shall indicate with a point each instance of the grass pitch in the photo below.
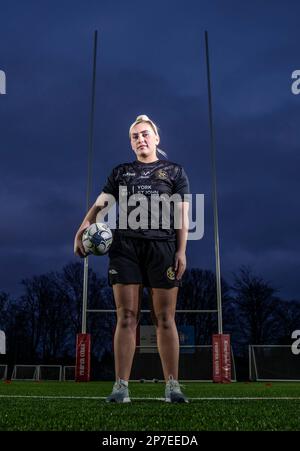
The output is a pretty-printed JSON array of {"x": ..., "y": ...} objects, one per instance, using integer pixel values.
[{"x": 69, "y": 406}]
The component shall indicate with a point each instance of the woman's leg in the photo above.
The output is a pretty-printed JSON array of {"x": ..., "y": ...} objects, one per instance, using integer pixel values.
[
  {"x": 127, "y": 299},
  {"x": 164, "y": 307}
]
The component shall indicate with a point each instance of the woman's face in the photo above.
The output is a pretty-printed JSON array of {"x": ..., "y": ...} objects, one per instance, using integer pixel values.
[{"x": 143, "y": 140}]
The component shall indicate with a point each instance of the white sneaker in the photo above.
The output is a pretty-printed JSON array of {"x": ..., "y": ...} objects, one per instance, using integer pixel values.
[
  {"x": 173, "y": 391},
  {"x": 119, "y": 393}
]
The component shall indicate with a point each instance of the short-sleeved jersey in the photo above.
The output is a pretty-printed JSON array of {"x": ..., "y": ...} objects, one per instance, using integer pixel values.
[{"x": 160, "y": 178}]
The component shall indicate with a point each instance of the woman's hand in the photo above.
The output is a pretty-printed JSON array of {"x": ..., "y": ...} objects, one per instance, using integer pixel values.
[
  {"x": 78, "y": 246},
  {"x": 180, "y": 264}
]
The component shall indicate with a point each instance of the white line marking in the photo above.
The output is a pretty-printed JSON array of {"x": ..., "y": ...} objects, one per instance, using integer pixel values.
[
  {"x": 246, "y": 398},
  {"x": 216, "y": 398}
]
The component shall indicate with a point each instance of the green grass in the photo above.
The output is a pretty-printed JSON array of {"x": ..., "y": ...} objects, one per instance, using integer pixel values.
[{"x": 87, "y": 414}]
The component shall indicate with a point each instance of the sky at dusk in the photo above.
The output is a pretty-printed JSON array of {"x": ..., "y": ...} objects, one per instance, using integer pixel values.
[{"x": 151, "y": 60}]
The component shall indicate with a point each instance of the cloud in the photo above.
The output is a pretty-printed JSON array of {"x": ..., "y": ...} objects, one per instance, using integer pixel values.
[{"x": 152, "y": 62}]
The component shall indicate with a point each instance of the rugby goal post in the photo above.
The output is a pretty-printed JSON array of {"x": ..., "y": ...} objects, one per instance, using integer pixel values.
[
  {"x": 221, "y": 358},
  {"x": 83, "y": 340},
  {"x": 83, "y": 357},
  {"x": 221, "y": 342}
]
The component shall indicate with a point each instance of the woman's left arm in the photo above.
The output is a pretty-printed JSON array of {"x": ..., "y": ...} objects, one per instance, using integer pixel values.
[{"x": 181, "y": 235}]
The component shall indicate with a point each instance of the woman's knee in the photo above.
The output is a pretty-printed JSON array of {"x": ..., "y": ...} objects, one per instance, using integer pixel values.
[
  {"x": 126, "y": 318},
  {"x": 164, "y": 320}
]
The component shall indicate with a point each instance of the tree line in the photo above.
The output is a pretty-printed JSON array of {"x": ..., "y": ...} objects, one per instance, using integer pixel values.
[{"x": 41, "y": 324}]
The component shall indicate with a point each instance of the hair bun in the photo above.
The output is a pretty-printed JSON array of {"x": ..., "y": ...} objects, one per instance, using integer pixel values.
[{"x": 142, "y": 117}]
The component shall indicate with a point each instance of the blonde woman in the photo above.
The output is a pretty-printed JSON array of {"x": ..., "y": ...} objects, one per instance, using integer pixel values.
[{"x": 143, "y": 255}]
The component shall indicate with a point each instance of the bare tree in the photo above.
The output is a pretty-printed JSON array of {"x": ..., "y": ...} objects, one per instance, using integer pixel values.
[
  {"x": 100, "y": 325},
  {"x": 46, "y": 310},
  {"x": 199, "y": 293},
  {"x": 256, "y": 306},
  {"x": 4, "y": 310},
  {"x": 288, "y": 313}
]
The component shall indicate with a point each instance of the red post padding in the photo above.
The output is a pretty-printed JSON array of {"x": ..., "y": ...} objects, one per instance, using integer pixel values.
[
  {"x": 83, "y": 357},
  {"x": 221, "y": 358}
]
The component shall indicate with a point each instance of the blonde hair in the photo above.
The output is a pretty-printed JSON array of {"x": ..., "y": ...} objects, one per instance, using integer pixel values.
[{"x": 145, "y": 118}]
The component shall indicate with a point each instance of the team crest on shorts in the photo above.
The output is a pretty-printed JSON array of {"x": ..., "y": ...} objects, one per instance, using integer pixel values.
[
  {"x": 171, "y": 273},
  {"x": 161, "y": 174}
]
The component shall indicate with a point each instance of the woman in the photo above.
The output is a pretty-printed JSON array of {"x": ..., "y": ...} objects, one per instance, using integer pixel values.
[{"x": 144, "y": 254}]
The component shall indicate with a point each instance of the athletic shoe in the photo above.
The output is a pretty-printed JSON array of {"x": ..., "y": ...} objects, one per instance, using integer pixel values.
[
  {"x": 173, "y": 391},
  {"x": 119, "y": 393}
]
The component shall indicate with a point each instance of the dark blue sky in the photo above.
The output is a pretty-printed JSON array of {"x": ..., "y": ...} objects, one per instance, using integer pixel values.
[{"x": 151, "y": 61}]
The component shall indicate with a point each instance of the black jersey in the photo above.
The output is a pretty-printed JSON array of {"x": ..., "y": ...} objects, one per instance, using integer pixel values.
[{"x": 160, "y": 178}]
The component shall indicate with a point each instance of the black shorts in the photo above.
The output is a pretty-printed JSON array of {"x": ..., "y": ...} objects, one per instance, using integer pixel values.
[{"x": 142, "y": 261}]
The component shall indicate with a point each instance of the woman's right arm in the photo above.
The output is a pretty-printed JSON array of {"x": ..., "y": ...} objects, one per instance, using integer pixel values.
[{"x": 102, "y": 201}]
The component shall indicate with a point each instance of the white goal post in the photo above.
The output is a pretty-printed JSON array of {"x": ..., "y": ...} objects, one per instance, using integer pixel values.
[
  {"x": 37, "y": 373},
  {"x": 273, "y": 363},
  {"x": 25, "y": 372},
  {"x": 49, "y": 373},
  {"x": 69, "y": 373},
  {"x": 3, "y": 372}
]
